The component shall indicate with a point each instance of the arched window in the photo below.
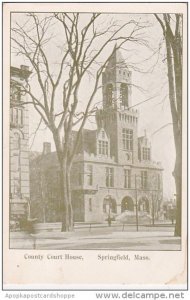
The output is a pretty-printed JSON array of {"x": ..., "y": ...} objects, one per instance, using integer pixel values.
[
  {"x": 109, "y": 94},
  {"x": 124, "y": 94}
]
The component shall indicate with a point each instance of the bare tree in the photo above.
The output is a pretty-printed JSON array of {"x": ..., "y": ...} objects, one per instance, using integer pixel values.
[
  {"x": 86, "y": 41},
  {"x": 171, "y": 25}
]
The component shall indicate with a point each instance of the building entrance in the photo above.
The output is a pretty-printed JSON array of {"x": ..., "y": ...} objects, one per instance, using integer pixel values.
[
  {"x": 143, "y": 205},
  {"x": 109, "y": 205},
  {"x": 127, "y": 204}
]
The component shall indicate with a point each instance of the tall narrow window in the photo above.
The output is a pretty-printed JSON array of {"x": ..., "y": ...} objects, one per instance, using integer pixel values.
[
  {"x": 159, "y": 182},
  {"x": 20, "y": 116},
  {"x": 109, "y": 92},
  {"x": 89, "y": 174},
  {"x": 144, "y": 180},
  {"x": 127, "y": 137},
  {"x": 11, "y": 115},
  {"x": 80, "y": 178},
  {"x": 124, "y": 94},
  {"x": 146, "y": 153},
  {"x": 14, "y": 115},
  {"x": 90, "y": 204},
  {"x": 109, "y": 177},
  {"x": 127, "y": 178},
  {"x": 17, "y": 116},
  {"x": 103, "y": 147}
]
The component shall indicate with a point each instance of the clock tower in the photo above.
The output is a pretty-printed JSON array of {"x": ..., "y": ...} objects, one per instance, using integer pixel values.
[{"x": 117, "y": 117}]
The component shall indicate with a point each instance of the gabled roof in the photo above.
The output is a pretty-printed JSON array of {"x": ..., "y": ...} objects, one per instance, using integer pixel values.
[{"x": 87, "y": 144}]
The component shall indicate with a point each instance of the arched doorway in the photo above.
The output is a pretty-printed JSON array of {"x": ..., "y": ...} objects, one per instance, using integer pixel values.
[
  {"x": 127, "y": 204},
  {"x": 143, "y": 205},
  {"x": 109, "y": 205}
]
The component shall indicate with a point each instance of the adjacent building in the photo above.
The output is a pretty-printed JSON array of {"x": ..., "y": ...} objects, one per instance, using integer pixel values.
[
  {"x": 19, "y": 135},
  {"x": 113, "y": 170}
]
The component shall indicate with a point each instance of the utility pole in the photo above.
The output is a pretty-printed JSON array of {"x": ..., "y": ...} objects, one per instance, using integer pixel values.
[
  {"x": 136, "y": 205},
  {"x": 152, "y": 209}
]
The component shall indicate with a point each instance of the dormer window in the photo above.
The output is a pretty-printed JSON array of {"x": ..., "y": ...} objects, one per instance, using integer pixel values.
[
  {"x": 103, "y": 147},
  {"x": 102, "y": 143},
  {"x": 124, "y": 94},
  {"x": 146, "y": 153}
]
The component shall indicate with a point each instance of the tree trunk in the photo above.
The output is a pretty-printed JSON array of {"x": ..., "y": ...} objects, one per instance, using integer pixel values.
[
  {"x": 66, "y": 207},
  {"x": 177, "y": 133},
  {"x": 71, "y": 222},
  {"x": 62, "y": 159},
  {"x": 178, "y": 181},
  {"x": 64, "y": 198}
]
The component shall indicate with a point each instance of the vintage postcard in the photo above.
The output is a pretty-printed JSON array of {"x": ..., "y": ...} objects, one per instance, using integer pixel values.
[{"x": 95, "y": 145}]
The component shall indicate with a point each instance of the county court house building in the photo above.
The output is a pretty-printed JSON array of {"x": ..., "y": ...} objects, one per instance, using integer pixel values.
[{"x": 113, "y": 170}]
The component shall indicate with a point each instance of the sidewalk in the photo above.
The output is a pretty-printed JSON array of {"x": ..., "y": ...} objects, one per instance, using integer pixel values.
[{"x": 97, "y": 239}]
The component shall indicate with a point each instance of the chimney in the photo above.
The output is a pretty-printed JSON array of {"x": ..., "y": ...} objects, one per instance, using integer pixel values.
[
  {"x": 24, "y": 68},
  {"x": 46, "y": 148}
]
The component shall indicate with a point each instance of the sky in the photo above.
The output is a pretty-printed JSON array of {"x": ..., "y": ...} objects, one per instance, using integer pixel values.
[{"x": 150, "y": 81}]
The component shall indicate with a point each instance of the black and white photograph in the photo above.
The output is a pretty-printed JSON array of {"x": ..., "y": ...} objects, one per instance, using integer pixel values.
[{"x": 96, "y": 125}]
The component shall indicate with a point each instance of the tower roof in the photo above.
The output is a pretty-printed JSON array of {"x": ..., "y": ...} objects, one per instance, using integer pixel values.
[{"x": 116, "y": 59}]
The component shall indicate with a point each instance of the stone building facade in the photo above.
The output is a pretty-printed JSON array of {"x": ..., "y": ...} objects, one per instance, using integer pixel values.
[
  {"x": 113, "y": 171},
  {"x": 19, "y": 152}
]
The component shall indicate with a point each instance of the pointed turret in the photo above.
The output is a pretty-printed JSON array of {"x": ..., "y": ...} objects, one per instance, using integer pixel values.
[
  {"x": 116, "y": 59},
  {"x": 116, "y": 81}
]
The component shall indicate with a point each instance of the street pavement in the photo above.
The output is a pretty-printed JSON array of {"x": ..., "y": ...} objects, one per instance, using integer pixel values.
[{"x": 99, "y": 237}]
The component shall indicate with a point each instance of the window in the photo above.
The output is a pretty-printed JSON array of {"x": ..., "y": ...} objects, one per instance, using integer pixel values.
[
  {"x": 109, "y": 177},
  {"x": 90, "y": 204},
  {"x": 159, "y": 182},
  {"x": 109, "y": 93},
  {"x": 124, "y": 94},
  {"x": 103, "y": 147},
  {"x": 146, "y": 153},
  {"x": 127, "y": 178},
  {"x": 17, "y": 116},
  {"x": 144, "y": 180},
  {"x": 89, "y": 174},
  {"x": 80, "y": 178},
  {"x": 127, "y": 137},
  {"x": 15, "y": 93}
]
